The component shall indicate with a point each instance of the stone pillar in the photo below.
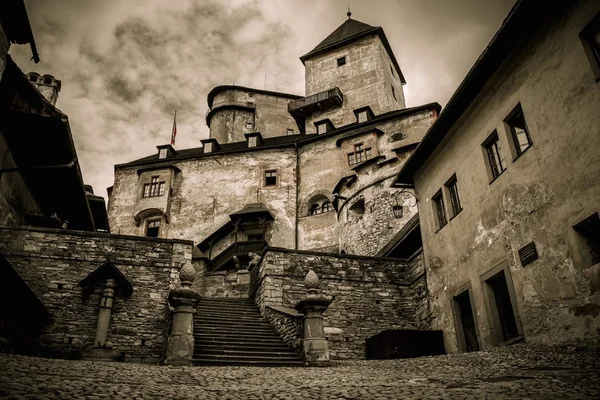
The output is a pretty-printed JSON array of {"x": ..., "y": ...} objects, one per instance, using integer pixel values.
[
  {"x": 315, "y": 351},
  {"x": 180, "y": 345},
  {"x": 106, "y": 304}
]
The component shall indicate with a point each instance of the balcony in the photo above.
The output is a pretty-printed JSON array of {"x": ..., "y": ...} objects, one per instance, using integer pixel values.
[
  {"x": 329, "y": 98},
  {"x": 240, "y": 249}
]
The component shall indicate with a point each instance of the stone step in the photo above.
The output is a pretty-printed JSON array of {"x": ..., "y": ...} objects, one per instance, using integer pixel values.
[
  {"x": 249, "y": 346},
  {"x": 228, "y": 317},
  {"x": 232, "y": 309},
  {"x": 242, "y": 357},
  {"x": 246, "y": 333},
  {"x": 245, "y": 363},
  {"x": 233, "y": 341},
  {"x": 248, "y": 353}
]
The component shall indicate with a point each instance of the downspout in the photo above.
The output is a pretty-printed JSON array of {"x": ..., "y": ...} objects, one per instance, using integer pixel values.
[{"x": 297, "y": 193}]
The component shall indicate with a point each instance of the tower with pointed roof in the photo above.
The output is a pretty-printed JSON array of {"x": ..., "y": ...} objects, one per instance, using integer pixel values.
[{"x": 356, "y": 64}]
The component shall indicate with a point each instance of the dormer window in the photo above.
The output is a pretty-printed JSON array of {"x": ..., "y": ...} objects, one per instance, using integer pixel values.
[
  {"x": 363, "y": 114},
  {"x": 162, "y": 153},
  {"x": 210, "y": 146},
  {"x": 323, "y": 126},
  {"x": 254, "y": 139},
  {"x": 289, "y": 131}
]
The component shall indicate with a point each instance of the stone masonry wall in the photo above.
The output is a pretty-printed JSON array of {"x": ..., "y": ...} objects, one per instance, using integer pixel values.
[
  {"x": 226, "y": 284},
  {"x": 53, "y": 262},
  {"x": 369, "y": 294}
]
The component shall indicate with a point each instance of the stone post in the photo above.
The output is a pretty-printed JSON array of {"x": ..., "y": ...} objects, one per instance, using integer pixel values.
[
  {"x": 315, "y": 351},
  {"x": 180, "y": 345},
  {"x": 106, "y": 304}
]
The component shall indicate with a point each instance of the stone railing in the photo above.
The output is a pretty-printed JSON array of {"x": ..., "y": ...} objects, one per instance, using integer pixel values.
[{"x": 288, "y": 323}]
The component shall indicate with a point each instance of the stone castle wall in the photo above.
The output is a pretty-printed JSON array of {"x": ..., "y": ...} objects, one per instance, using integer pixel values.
[
  {"x": 369, "y": 294},
  {"x": 53, "y": 262}
]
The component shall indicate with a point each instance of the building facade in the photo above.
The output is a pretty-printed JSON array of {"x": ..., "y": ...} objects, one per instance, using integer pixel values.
[
  {"x": 299, "y": 172},
  {"x": 507, "y": 182}
]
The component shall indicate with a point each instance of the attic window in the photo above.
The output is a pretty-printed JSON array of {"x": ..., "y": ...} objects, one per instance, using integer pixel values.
[
  {"x": 208, "y": 147},
  {"x": 341, "y": 61},
  {"x": 162, "y": 153},
  {"x": 252, "y": 141},
  {"x": 289, "y": 131},
  {"x": 48, "y": 81},
  {"x": 324, "y": 126},
  {"x": 33, "y": 78}
]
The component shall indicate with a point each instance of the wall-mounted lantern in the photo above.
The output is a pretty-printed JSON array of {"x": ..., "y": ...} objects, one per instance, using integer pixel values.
[{"x": 400, "y": 199}]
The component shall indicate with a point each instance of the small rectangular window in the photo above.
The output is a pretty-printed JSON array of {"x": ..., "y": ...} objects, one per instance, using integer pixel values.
[
  {"x": 351, "y": 159},
  {"x": 360, "y": 154},
  {"x": 252, "y": 141},
  {"x": 440, "y": 211},
  {"x": 394, "y": 92},
  {"x": 362, "y": 116},
  {"x": 208, "y": 147},
  {"x": 162, "y": 153},
  {"x": 494, "y": 155},
  {"x": 322, "y": 128},
  {"x": 341, "y": 61},
  {"x": 249, "y": 125},
  {"x": 271, "y": 178},
  {"x": 452, "y": 186},
  {"x": 152, "y": 228},
  {"x": 289, "y": 131},
  {"x": 518, "y": 129}
]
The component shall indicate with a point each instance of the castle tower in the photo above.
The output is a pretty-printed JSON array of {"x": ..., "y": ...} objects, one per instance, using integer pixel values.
[
  {"x": 47, "y": 85},
  {"x": 353, "y": 68}
]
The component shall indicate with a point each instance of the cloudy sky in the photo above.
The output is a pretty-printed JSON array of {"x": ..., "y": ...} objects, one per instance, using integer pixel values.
[{"x": 126, "y": 65}]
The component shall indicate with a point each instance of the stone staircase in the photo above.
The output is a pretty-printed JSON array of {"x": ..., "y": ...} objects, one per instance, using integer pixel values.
[{"x": 230, "y": 331}]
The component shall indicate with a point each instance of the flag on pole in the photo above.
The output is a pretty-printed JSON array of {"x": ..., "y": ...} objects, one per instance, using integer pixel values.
[{"x": 174, "y": 133}]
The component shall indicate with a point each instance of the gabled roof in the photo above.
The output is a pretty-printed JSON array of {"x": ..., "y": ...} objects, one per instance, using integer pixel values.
[
  {"x": 522, "y": 20},
  {"x": 107, "y": 271},
  {"x": 348, "y": 32}
]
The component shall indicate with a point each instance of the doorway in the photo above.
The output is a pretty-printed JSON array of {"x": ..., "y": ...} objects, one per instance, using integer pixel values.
[
  {"x": 502, "y": 312},
  {"x": 466, "y": 330}
]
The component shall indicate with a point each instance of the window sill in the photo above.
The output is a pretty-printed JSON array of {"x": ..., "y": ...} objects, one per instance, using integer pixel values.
[
  {"x": 523, "y": 152},
  {"x": 455, "y": 215},
  {"x": 441, "y": 227},
  {"x": 494, "y": 180}
]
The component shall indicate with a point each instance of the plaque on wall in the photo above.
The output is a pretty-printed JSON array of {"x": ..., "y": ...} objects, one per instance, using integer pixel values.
[{"x": 528, "y": 254}]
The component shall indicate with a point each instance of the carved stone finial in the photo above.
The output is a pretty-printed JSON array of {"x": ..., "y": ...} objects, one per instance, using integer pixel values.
[
  {"x": 187, "y": 275},
  {"x": 349, "y": 14},
  {"x": 311, "y": 281}
]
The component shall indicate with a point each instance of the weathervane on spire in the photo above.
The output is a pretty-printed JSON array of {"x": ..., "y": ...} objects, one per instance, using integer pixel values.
[{"x": 349, "y": 14}]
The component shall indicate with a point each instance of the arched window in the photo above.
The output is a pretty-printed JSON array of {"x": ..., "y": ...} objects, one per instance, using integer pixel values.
[
  {"x": 33, "y": 78},
  {"x": 314, "y": 209},
  {"x": 48, "y": 81},
  {"x": 318, "y": 205}
]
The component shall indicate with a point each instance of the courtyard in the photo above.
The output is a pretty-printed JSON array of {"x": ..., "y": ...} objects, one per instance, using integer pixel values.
[{"x": 520, "y": 371}]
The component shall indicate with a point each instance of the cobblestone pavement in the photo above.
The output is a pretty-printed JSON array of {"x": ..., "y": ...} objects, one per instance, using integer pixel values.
[{"x": 515, "y": 372}]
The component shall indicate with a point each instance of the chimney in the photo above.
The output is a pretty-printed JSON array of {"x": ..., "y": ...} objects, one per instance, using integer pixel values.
[{"x": 47, "y": 85}]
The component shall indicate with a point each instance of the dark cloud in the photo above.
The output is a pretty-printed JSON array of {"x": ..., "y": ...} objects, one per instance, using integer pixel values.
[{"x": 127, "y": 65}]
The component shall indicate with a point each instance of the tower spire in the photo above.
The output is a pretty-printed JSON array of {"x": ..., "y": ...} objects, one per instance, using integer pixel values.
[{"x": 349, "y": 13}]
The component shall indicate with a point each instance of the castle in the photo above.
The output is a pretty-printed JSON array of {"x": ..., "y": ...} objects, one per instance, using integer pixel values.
[{"x": 415, "y": 219}]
